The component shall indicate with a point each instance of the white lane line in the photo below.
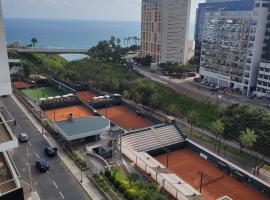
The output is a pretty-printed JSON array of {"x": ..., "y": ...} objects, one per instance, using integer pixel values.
[
  {"x": 55, "y": 185},
  {"x": 29, "y": 143},
  {"x": 37, "y": 155},
  {"x": 62, "y": 195}
]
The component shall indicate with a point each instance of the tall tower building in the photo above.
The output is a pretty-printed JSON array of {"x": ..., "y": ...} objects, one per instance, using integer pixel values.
[
  {"x": 5, "y": 84},
  {"x": 164, "y": 31}
]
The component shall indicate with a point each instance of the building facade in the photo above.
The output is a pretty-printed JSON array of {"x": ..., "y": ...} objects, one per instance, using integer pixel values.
[
  {"x": 231, "y": 47},
  {"x": 263, "y": 83},
  {"x": 164, "y": 30},
  {"x": 5, "y": 84},
  {"x": 211, "y": 6}
]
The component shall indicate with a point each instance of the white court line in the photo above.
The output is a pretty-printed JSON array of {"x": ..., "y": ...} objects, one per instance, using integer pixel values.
[
  {"x": 62, "y": 195},
  {"x": 37, "y": 155},
  {"x": 55, "y": 185}
]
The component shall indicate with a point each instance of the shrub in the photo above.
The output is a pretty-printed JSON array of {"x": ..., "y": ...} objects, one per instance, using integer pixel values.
[
  {"x": 116, "y": 183},
  {"x": 122, "y": 188},
  {"x": 107, "y": 173}
]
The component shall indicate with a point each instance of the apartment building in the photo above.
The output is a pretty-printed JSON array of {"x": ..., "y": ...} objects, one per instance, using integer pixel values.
[
  {"x": 164, "y": 30},
  {"x": 10, "y": 186},
  {"x": 263, "y": 83},
  {"x": 212, "y": 6},
  {"x": 231, "y": 47},
  {"x": 5, "y": 86}
]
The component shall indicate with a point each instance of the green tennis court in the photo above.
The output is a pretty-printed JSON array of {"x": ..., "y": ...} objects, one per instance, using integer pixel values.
[{"x": 43, "y": 92}]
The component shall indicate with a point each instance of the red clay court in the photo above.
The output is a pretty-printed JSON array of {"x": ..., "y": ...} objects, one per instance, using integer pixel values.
[
  {"x": 186, "y": 164},
  {"x": 60, "y": 114},
  {"x": 125, "y": 118},
  {"x": 85, "y": 96},
  {"x": 21, "y": 84}
]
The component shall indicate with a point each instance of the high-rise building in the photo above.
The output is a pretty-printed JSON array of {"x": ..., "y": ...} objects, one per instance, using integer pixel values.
[
  {"x": 5, "y": 84},
  {"x": 231, "y": 47},
  {"x": 263, "y": 83},
  {"x": 164, "y": 31},
  {"x": 211, "y": 6}
]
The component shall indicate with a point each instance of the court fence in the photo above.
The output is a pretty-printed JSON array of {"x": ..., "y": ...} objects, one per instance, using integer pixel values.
[{"x": 157, "y": 174}]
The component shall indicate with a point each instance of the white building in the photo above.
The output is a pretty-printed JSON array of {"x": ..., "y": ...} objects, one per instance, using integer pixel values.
[
  {"x": 232, "y": 47},
  {"x": 5, "y": 83},
  {"x": 165, "y": 26}
]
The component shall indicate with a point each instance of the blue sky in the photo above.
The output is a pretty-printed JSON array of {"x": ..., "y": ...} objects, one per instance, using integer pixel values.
[{"x": 117, "y": 10}]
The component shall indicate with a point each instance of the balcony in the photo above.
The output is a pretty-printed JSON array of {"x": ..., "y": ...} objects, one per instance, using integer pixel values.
[
  {"x": 9, "y": 178},
  {"x": 8, "y": 140}
]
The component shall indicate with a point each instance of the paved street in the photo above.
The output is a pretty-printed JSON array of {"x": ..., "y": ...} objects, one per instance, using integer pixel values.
[
  {"x": 58, "y": 183},
  {"x": 197, "y": 90}
]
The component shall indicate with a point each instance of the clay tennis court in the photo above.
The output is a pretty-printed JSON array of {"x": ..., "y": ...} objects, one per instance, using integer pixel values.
[
  {"x": 60, "y": 114},
  {"x": 21, "y": 84},
  {"x": 125, "y": 118},
  {"x": 186, "y": 164},
  {"x": 85, "y": 96}
]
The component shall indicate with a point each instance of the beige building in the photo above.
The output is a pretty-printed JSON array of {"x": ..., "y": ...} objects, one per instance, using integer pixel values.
[{"x": 165, "y": 26}]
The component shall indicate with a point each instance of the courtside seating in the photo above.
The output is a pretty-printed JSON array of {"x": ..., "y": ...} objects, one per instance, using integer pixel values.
[{"x": 158, "y": 137}]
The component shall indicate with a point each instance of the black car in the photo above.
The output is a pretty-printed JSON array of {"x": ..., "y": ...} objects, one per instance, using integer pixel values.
[
  {"x": 42, "y": 165},
  {"x": 50, "y": 151}
]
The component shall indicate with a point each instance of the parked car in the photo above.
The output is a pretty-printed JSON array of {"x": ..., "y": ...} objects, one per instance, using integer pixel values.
[
  {"x": 50, "y": 151},
  {"x": 42, "y": 165},
  {"x": 23, "y": 137}
]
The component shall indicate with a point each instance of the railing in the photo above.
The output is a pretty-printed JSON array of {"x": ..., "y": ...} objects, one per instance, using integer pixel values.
[{"x": 155, "y": 174}]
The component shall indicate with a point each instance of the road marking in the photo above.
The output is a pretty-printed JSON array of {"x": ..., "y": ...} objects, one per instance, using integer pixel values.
[
  {"x": 47, "y": 172},
  {"x": 55, "y": 185},
  {"x": 37, "y": 155},
  {"x": 62, "y": 195},
  {"x": 29, "y": 143}
]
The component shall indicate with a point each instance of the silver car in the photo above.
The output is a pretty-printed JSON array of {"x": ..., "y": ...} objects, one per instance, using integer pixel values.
[{"x": 23, "y": 137}]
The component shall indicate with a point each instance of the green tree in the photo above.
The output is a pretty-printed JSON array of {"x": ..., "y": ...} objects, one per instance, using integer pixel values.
[
  {"x": 154, "y": 100},
  {"x": 26, "y": 70},
  {"x": 193, "y": 118},
  {"x": 132, "y": 177},
  {"x": 115, "y": 84},
  {"x": 126, "y": 94},
  {"x": 34, "y": 41},
  {"x": 138, "y": 97},
  {"x": 217, "y": 129},
  {"x": 248, "y": 138}
]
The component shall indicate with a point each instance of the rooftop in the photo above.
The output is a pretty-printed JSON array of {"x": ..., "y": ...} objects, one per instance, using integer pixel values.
[{"x": 83, "y": 127}]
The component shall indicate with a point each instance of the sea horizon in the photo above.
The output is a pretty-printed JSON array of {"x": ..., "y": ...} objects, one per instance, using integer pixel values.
[{"x": 70, "y": 33}]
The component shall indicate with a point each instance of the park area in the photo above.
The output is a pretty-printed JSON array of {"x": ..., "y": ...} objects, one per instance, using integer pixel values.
[
  {"x": 42, "y": 92},
  {"x": 189, "y": 165},
  {"x": 125, "y": 118},
  {"x": 60, "y": 114},
  {"x": 85, "y": 96},
  {"x": 21, "y": 84}
]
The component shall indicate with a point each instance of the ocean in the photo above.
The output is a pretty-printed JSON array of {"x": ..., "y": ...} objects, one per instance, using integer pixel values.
[{"x": 69, "y": 33}]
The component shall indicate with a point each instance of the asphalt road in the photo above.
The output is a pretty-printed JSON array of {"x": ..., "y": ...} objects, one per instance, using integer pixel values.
[{"x": 58, "y": 183}]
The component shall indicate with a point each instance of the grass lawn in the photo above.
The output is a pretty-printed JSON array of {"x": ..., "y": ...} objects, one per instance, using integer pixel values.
[{"x": 43, "y": 92}]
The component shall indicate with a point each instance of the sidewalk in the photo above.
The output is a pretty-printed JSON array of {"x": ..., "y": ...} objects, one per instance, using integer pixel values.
[{"x": 81, "y": 177}]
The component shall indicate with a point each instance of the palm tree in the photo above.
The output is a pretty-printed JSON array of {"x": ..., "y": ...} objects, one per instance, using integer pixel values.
[
  {"x": 118, "y": 41},
  {"x": 126, "y": 94},
  {"x": 34, "y": 41},
  {"x": 115, "y": 84},
  {"x": 193, "y": 117},
  {"x": 217, "y": 128},
  {"x": 138, "y": 97},
  {"x": 154, "y": 100},
  {"x": 248, "y": 138}
]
